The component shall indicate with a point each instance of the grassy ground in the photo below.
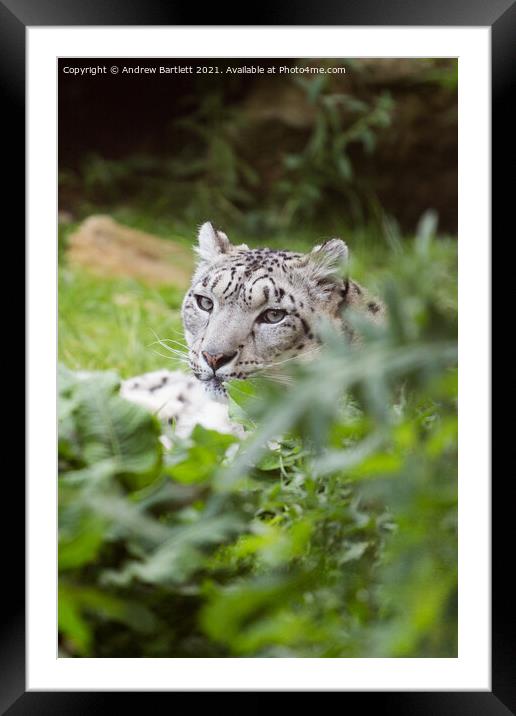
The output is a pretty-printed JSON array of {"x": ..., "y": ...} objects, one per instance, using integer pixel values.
[
  {"x": 113, "y": 324},
  {"x": 339, "y": 541}
]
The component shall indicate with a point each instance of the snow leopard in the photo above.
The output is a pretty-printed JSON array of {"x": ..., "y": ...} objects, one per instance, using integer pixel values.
[{"x": 249, "y": 311}]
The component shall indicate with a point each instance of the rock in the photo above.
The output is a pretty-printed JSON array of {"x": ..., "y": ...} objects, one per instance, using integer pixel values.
[{"x": 111, "y": 249}]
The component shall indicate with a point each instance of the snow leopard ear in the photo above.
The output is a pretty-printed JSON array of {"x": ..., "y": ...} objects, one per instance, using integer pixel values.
[
  {"x": 211, "y": 242},
  {"x": 328, "y": 260}
]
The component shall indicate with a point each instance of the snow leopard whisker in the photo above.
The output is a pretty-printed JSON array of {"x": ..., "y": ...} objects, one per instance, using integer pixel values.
[
  {"x": 174, "y": 330},
  {"x": 168, "y": 340},
  {"x": 170, "y": 349},
  {"x": 279, "y": 381},
  {"x": 173, "y": 354},
  {"x": 181, "y": 359},
  {"x": 274, "y": 377},
  {"x": 172, "y": 340},
  {"x": 300, "y": 355}
]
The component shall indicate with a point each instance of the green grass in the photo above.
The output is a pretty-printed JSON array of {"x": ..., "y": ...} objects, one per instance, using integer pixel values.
[
  {"x": 111, "y": 324},
  {"x": 339, "y": 541}
]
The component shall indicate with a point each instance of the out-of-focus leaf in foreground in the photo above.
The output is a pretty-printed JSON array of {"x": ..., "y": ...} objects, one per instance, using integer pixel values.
[{"x": 329, "y": 530}]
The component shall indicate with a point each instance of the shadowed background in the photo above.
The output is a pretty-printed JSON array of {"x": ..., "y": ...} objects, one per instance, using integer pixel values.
[{"x": 266, "y": 152}]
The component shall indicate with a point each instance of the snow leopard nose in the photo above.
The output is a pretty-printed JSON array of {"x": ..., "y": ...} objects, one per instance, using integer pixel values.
[{"x": 217, "y": 360}]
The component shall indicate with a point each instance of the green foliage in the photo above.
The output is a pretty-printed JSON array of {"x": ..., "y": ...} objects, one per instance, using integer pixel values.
[
  {"x": 329, "y": 531},
  {"x": 98, "y": 428},
  {"x": 323, "y": 168},
  {"x": 215, "y": 170}
]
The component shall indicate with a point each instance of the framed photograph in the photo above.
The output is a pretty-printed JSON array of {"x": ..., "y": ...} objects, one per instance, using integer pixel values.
[{"x": 258, "y": 434}]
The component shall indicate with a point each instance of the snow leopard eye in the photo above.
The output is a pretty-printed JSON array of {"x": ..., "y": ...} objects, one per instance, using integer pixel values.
[
  {"x": 272, "y": 315},
  {"x": 204, "y": 303}
]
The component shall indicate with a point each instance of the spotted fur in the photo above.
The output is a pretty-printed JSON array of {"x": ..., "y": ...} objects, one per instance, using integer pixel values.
[
  {"x": 246, "y": 287},
  {"x": 179, "y": 401}
]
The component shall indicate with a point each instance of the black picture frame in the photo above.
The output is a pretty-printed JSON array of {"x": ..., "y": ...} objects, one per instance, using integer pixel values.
[{"x": 15, "y": 17}]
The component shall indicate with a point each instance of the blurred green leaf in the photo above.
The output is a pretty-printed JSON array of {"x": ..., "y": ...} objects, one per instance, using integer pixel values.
[{"x": 328, "y": 530}]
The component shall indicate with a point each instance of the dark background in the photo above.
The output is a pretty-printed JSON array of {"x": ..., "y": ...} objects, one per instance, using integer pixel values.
[{"x": 243, "y": 147}]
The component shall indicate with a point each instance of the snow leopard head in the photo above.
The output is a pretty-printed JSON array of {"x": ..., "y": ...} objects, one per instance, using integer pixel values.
[{"x": 249, "y": 310}]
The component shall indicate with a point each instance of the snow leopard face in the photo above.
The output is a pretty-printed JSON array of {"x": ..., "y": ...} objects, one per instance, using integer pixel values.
[{"x": 249, "y": 310}]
